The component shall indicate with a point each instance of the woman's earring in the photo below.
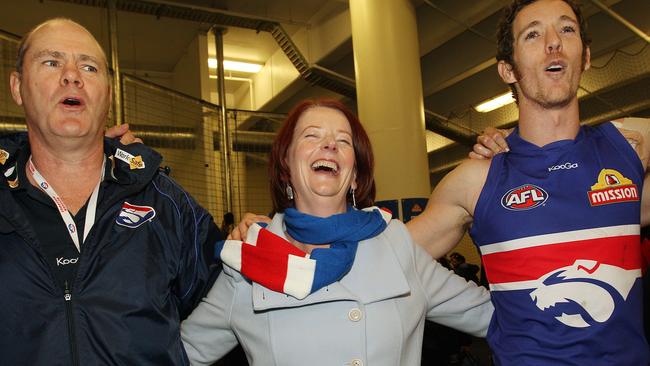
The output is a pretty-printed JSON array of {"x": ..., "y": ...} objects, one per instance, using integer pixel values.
[
  {"x": 289, "y": 192},
  {"x": 354, "y": 200}
]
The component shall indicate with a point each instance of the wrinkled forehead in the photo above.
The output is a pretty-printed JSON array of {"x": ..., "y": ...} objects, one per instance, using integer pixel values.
[
  {"x": 64, "y": 36},
  {"x": 323, "y": 116}
]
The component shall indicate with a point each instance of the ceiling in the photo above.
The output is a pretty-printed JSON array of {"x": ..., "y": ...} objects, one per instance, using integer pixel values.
[{"x": 456, "y": 40}]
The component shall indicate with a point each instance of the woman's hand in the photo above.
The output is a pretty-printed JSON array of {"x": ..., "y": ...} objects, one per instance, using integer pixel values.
[
  {"x": 490, "y": 143},
  {"x": 239, "y": 232},
  {"x": 122, "y": 131}
]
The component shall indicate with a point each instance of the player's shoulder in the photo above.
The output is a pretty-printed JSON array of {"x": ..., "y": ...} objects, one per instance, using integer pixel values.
[
  {"x": 465, "y": 183},
  {"x": 473, "y": 168}
]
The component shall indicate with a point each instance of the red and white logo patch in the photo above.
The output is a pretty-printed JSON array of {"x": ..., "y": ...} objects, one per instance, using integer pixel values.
[
  {"x": 612, "y": 187},
  {"x": 525, "y": 197},
  {"x": 133, "y": 216}
]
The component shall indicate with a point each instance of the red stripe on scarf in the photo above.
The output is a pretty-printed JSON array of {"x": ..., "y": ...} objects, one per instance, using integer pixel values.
[{"x": 266, "y": 261}]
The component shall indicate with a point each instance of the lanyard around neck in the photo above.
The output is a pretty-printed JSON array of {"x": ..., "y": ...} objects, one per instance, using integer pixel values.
[{"x": 63, "y": 210}]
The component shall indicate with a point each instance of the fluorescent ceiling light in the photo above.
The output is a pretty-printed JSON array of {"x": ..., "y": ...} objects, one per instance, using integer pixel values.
[
  {"x": 494, "y": 103},
  {"x": 235, "y": 66}
]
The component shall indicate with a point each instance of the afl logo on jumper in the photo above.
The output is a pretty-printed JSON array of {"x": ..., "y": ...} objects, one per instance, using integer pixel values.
[
  {"x": 612, "y": 187},
  {"x": 524, "y": 197},
  {"x": 133, "y": 216}
]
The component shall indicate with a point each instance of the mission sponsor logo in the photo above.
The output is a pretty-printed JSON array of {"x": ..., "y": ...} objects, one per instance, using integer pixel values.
[
  {"x": 612, "y": 187},
  {"x": 525, "y": 197},
  {"x": 132, "y": 216}
]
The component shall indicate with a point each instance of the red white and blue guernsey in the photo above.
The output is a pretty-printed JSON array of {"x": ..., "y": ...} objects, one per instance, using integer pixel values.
[{"x": 558, "y": 231}]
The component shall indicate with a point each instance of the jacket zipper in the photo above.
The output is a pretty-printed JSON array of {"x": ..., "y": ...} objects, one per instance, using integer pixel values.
[{"x": 67, "y": 296}]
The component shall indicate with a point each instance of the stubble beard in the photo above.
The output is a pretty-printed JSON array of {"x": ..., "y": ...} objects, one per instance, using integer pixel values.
[{"x": 540, "y": 95}]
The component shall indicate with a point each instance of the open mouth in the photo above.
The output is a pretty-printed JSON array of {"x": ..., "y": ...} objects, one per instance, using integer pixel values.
[
  {"x": 325, "y": 166},
  {"x": 555, "y": 67},
  {"x": 71, "y": 102}
]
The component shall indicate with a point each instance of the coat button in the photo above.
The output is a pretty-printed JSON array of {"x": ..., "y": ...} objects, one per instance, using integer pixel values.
[
  {"x": 356, "y": 362},
  {"x": 355, "y": 315}
]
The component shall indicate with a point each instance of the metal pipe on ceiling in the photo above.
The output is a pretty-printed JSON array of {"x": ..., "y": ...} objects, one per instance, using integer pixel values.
[
  {"x": 172, "y": 137},
  {"x": 9, "y": 36},
  {"x": 467, "y": 27},
  {"x": 622, "y": 20},
  {"x": 115, "y": 64},
  {"x": 313, "y": 74},
  {"x": 224, "y": 141}
]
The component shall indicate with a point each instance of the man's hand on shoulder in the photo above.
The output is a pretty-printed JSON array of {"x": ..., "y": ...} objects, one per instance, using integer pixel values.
[
  {"x": 637, "y": 132},
  {"x": 239, "y": 232},
  {"x": 490, "y": 143},
  {"x": 124, "y": 133}
]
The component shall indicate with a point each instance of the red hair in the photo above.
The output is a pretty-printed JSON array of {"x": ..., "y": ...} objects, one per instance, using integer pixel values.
[{"x": 280, "y": 176}]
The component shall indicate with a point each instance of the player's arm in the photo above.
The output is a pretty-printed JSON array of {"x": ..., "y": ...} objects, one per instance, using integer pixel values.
[{"x": 450, "y": 208}]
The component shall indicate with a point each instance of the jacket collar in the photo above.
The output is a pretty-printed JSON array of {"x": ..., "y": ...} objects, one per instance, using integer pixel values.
[
  {"x": 132, "y": 165},
  {"x": 363, "y": 283}
]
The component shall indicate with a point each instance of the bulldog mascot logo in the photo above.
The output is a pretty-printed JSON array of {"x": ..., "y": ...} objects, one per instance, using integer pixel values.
[{"x": 584, "y": 292}]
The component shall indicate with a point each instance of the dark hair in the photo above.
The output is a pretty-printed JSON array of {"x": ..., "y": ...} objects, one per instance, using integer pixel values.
[
  {"x": 280, "y": 176},
  {"x": 228, "y": 218},
  {"x": 22, "y": 49},
  {"x": 506, "y": 39}
]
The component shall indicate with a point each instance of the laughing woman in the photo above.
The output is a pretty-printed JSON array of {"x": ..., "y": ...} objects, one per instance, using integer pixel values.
[{"x": 331, "y": 280}]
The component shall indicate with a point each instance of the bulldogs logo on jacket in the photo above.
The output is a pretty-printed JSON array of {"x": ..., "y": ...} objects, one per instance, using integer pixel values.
[{"x": 132, "y": 216}]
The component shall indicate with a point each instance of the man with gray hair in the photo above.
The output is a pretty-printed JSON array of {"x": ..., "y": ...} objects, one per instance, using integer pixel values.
[{"x": 101, "y": 253}]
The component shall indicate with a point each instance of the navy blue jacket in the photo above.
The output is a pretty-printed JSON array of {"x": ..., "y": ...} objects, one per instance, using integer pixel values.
[{"x": 140, "y": 272}]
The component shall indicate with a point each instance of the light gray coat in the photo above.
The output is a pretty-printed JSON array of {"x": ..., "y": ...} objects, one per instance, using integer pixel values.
[{"x": 373, "y": 316}]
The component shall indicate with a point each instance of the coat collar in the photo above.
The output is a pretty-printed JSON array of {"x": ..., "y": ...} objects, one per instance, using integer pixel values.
[
  {"x": 364, "y": 283},
  {"x": 133, "y": 164},
  {"x": 119, "y": 174}
]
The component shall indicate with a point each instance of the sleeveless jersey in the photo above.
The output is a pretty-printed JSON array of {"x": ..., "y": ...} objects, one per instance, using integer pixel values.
[{"x": 558, "y": 231}]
